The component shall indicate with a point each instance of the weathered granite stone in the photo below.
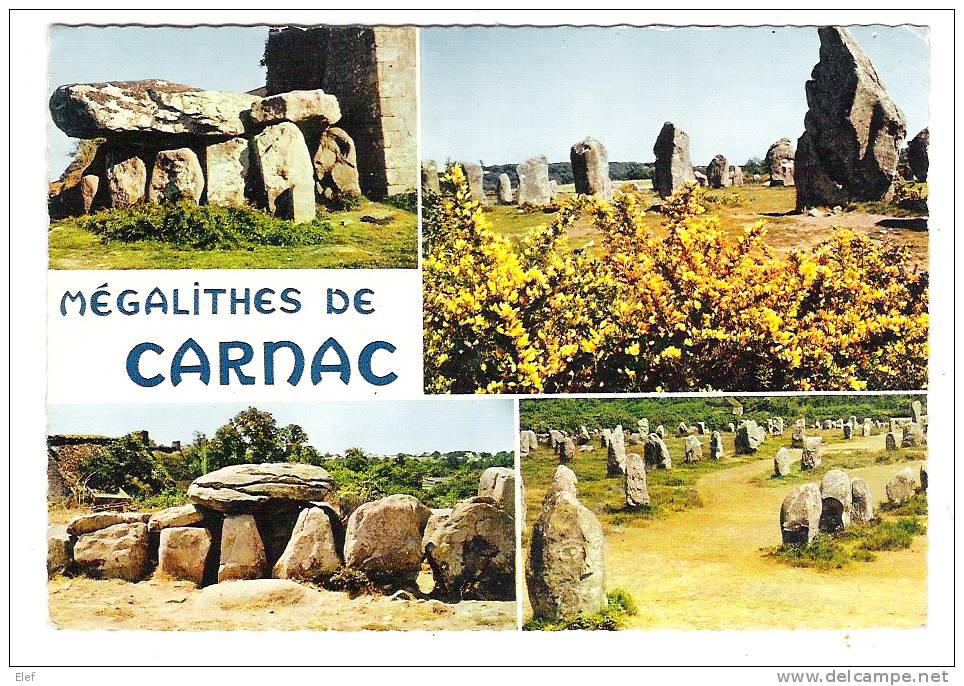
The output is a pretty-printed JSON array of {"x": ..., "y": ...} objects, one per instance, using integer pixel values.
[
  {"x": 718, "y": 172},
  {"x": 176, "y": 175},
  {"x": 242, "y": 550},
  {"x": 850, "y": 148},
  {"x": 474, "y": 176},
  {"x": 673, "y": 165},
  {"x": 126, "y": 179},
  {"x": 616, "y": 456},
  {"x": 590, "y": 169},
  {"x": 811, "y": 458},
  {"x": 183, "y": 553},
  {"x": 498, "y": 483},
  {"x": 434, "y": 523},
  {"x": 430, "y": 182},
  {"x": 656, "y": 452},
  {"x": 567, "y": 450},
  {"x": 749, "y": 437},
  {"x": 563, "y": 480},
  {"x": 779, "y": 163},
  {"x": 914, "y": 436},
  {"x": 566, "y": 572},
  {"x": 228, "y": 166},
  {"x": 284, "y": 175},
  {"x": 837, "y": 499},
  {"x": 503, "y": 190},
  {"x": 901, "y": 487},
  {"x": 384, "y": 537},
  {"x": 472, "y": 555},
  {"x": 59, "y": 550},
  {"x": 782, "y": 462},
  {"x": 893, "y": 440},
  {"x": 88, "y": 523},
  {"x": 862, "y": 501},
  {"x": 179, "y": 516},
  {"x": 637, "y": 493},
  {"x": 151, "y": 107},
  {"x": 315, "y": 106},
  {"x": 247, "y": 487},
  {"x": 693, "y": 450},
  {"x": 800, "y": 514},
  {"x": 311, "y": 552},
  {"x": 336, "y": 166},
  {"x": 917, "y": 157},
  {"x": 736, "y": 176},
  {"x": 116, "y": 552},
  {"x": 534, "y": 188}
]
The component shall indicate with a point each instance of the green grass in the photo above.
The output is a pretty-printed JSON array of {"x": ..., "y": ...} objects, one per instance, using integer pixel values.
[
  {"x": 889, "y": 531},
  {"x": 347, "y": 243},
  {"x": 843, "y": 459},
  {"x": 670, "y": 491},
  {"x": 611, "y": 618}
]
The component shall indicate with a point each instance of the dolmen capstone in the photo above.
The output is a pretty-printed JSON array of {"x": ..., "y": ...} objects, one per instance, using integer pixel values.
[
  {"x": 157, "y": 141},
  {"x": 851, "y": 146},
  {"x": 566, "y": 572},
  {"x": 800, "y": 514},
  {"x": 674, "y": 168},
  {"x": 590, "y": 169}
]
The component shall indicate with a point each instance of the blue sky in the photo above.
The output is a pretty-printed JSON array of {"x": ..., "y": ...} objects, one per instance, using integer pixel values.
[
  {"x": 225, "y": 58},
  {"x": 503, "y": 95},
  {"x": 379, "y": 427}
]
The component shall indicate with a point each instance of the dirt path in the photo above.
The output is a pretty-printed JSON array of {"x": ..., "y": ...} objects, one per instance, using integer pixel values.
[
  {"x": 161, "y": 605},
  {"x": 703, "y": 569}
]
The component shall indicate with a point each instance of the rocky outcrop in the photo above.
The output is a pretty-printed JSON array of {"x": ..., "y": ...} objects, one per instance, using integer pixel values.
[{"x": 850, "y": 148}]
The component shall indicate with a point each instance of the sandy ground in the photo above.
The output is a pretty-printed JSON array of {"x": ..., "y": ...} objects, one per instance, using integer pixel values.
[
  {"x": 703, "y": 568},
  {"x": 269, "y": 604}
]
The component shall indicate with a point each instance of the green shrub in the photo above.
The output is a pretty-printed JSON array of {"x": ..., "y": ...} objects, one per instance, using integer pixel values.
[
  {"x": 611, "y": 618},
  {"x": 205, "y": 227},
  {"x": 824, "y": 552},
  {"x": 404, "y": 201},
  {"x": 892, "y": 534},
  {"x": 916, "y": 506},
  {"x": 354, "y": 582}
]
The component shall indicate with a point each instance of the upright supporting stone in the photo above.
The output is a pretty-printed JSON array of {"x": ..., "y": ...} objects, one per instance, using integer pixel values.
[
  {"x": 284, "y": 172},
  {"x": 228, "y": 167},
  {"x": 126, "y": 179},
  {"x": 242, "y": 551},
  {"x": 176, "y": 175}
]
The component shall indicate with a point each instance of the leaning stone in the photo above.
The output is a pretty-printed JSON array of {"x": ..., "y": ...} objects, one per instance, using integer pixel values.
[
  {"x": 284, "y": 173},
  {"x": 242, "y": 550},
  {"x": 782, "y": 462},
  {"x": 590, "y": 169},
  {"x": 126, "y": 179},
  {"x": 183, "y": 553},
  {"x": 58, "y": 550},
  {"x": 534, "y": 190},
  {"x": 336, "y": 166},
  {"x": 181, "y": 515},
  {"x": 800, "y": 514},
  {"x": 88, "y": 523},
  {"x": 116, "y": 552},
  {"x": 176, "y": 175},
  {"x": 384, "y": 537},
  {"x": 244, "y": 488},
  {"x": 228, "y": 167},
  {"x": 901, "y": 488},
  {"x": 862, "y": 501},
  {"x": 637, "y": 493},
  {"x": 837, "y": 498},
  {"x": 148, "y": 108},
  {"x": 850, "y": 149},
  {"x": 673, "y": 165},
  {"x": 311, "y": 552},
  {"x": 472, "y": 555},
  {"x": 297, "y": 106},
  {"x": 566, "y": 572}
]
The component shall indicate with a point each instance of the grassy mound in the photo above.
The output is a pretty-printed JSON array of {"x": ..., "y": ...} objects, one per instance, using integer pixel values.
[{"x": 206, "y": 227}]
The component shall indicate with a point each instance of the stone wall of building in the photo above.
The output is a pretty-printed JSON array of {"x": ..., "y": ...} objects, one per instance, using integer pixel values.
[{"x": 371, "y": 70}]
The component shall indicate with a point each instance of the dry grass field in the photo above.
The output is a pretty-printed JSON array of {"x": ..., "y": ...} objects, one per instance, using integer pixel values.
[
  {"x": 698, "y": 559},
  {"x": 739, "y": 207}
]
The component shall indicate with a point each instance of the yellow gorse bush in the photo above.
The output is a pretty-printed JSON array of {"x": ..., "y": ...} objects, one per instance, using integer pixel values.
[{"x": 691, "y": 311}]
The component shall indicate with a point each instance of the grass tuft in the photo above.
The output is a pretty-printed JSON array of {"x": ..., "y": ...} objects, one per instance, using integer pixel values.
[{"x": 613, "y": 617}]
